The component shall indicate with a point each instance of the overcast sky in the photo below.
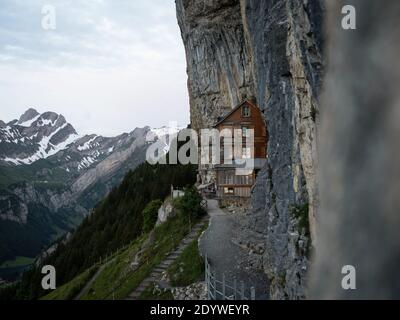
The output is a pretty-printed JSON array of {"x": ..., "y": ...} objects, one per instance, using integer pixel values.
[{"x": 110, "y": 65}]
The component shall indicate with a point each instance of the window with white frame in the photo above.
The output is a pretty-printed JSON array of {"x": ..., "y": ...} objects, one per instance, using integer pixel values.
[
  {"x": 246, "y": 111},
  {"x": 227, "y": 177}
]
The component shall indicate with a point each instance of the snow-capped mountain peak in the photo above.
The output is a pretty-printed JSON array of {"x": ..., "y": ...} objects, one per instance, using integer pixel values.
[
  {"x": 165, "y": 133},
  {"x": 35, "y": 136},
  {"x": 28, "y": 117},
  {"x": 167, "y": 130}
]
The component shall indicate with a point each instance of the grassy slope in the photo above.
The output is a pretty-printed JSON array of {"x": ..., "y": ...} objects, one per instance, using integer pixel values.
[
  {"x": 187, "y": 269},
  {"x": 117, "y": 220},
  {"x": 117, "y": 280},
  {"x": 71, "y": 289},
  {"x": 165, "y": 238}
]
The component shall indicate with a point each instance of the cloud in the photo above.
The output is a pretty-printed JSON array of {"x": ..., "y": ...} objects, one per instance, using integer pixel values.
[{"x": 104, "y": 58}]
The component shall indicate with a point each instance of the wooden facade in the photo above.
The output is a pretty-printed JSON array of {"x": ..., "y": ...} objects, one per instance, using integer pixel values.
[{"x": 246, "y": 117}]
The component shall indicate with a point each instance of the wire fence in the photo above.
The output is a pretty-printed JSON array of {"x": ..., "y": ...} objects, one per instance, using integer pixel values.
[{"x": 224, "y": 289}]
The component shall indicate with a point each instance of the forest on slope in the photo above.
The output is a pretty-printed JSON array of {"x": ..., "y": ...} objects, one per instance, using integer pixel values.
[{"x": 114, "y": 222}]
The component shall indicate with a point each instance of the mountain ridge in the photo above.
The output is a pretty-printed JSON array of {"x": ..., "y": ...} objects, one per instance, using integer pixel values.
[{"x": 51, "y": 177}]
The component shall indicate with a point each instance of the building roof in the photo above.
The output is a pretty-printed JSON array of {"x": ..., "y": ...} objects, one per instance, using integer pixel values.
[{"x": 232, "y": 111}]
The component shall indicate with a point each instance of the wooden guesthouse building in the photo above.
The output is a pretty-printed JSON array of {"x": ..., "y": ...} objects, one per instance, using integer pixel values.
[{"x": 229, "y": 182}]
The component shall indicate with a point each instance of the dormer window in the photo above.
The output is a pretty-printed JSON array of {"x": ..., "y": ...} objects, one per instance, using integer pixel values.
[{"x": 246, "y": 111}]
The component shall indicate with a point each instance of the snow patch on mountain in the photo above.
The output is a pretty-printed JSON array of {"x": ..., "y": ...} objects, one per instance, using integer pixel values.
[
  {"x": 46, "y": 122},
  {"x": 164, "y": 136},
  {"x": 167, "y": 130},
  {"x": 85, "y": 163},
  {"x": 14, "y": 161},
  {"x": 26, "y": 118},
  {"x": 29, "y": 123},
  {"x": 87, "y": 144},
  {"x": 46, "y": 148},
  {"x": 9, "y": 134},
  {"x": 63, "y": 145}
]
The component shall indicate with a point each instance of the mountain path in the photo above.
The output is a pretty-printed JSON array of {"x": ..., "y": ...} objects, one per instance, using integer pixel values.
[
  {"x": 224, "y": 255},
  {"x": 156, "y": 273}
]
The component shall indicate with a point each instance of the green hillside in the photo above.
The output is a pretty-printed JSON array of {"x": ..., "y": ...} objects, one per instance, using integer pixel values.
[
  {"x": 117, "y": 279},
  {"x": 115, "y": 222}
]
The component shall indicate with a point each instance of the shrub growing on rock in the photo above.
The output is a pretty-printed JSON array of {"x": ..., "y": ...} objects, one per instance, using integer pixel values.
[
  {"x": 189, "y": 206},
  {"x": 150, "y": 215}
]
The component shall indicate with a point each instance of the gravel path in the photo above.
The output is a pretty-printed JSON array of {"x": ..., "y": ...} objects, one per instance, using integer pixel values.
[{"x": 224, "y": 255}]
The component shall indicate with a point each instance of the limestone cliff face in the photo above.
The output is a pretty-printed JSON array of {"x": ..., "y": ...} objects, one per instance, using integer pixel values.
[
  {"x": 218, "y": 62},
  {"x": 285, "y": 38},
  {"x": 269, "y": 50}
]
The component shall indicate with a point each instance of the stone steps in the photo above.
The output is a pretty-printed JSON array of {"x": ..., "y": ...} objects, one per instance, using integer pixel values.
[
  {"x": 165, "y": 264},
  {"x": 173, "y": 256},
  {"x": 155, "y": 274}
]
